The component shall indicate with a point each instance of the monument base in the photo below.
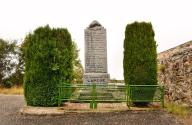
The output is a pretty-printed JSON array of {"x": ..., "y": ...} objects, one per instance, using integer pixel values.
[{"x": 97, "y": 78}]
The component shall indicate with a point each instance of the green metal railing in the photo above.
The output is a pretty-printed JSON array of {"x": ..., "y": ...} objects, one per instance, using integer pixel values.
[
  {"x": 102, "y": 93},
  {"x": 145, "y": 93}
]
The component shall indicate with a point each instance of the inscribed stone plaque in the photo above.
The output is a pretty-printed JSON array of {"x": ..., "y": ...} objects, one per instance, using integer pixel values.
[{"x": 95, "y": 54}]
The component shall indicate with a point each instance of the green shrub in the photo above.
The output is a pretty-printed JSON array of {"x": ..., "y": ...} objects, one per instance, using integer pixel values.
[
  {"x": 7, "y": 84},
  {"x": 48, "y": 60},
  {"x": 140, "y": 56}
]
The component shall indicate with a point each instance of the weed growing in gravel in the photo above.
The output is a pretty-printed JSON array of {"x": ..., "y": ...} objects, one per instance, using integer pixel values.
[{"x": 178, "y": 110}]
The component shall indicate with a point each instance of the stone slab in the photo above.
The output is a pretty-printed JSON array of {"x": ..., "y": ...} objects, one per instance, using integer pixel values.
[
  {"x": 97, "y": 78},
  {"x": 95, "y": 54}
]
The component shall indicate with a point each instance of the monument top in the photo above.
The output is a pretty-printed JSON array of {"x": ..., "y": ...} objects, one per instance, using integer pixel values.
[{"x": 94, "y": 24}]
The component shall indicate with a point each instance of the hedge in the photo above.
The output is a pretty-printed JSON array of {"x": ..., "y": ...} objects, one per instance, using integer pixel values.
[
  {"x": 140, "y": 56},
  {"x": 48, "y": 60}
]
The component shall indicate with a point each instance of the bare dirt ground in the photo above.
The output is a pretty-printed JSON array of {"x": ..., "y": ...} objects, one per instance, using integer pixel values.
[
  {"x": 11, "y": 104},
  {"x": 186, "y": 120}
]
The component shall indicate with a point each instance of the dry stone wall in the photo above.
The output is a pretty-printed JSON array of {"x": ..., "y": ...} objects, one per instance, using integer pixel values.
[{"x": 175, "y": 73}]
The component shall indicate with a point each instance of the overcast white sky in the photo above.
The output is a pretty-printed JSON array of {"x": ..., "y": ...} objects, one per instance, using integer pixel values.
[{"x": 171, "y": 20}]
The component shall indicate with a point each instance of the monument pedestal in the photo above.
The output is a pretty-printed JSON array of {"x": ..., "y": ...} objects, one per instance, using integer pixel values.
[{"x": 97, "y": 78}]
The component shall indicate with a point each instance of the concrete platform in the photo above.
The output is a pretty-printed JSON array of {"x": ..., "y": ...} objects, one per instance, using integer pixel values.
[{"x": 81, "y": 108}]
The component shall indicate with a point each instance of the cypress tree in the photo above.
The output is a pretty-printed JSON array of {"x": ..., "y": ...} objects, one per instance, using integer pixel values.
[
  {"x": 140, "y": 56},
  {"x": 48, "y": 60}
]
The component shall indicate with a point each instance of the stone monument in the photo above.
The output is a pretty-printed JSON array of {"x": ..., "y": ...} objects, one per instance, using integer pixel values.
[{"x": 95, "y": 54}]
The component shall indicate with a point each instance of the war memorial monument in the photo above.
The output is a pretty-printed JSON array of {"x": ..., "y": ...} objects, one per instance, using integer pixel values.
[{"x": 95, "y": 54}]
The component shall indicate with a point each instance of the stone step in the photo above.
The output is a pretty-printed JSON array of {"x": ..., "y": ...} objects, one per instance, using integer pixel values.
[{"x": 98, "y": 96}]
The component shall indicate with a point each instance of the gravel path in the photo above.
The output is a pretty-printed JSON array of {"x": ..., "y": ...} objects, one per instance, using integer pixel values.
[{"x": 11, "y": 104}]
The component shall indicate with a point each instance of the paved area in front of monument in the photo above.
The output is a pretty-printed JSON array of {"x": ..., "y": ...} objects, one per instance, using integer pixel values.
[{"x": 11, "y": 104}]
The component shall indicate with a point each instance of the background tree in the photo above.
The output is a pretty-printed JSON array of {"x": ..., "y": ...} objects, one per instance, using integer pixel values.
[
  {"x": 18, "y": 74},
  {"x": 7, "y": 52},
  {"x": 140, "y": 56},
  {"x": 78, "y": 68},
  {"x": 48, "y": 56}
]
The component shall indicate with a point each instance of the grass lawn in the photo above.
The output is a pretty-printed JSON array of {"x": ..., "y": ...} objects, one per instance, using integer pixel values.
[{"x": 15, "y": 90}]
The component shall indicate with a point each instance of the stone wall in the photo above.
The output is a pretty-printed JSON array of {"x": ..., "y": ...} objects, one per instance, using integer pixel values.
[{"x": 175, "y": 73}]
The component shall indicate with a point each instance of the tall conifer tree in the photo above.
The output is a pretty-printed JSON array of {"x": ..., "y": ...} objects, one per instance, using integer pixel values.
[
  {"x": 48, "y": 57},
  {"x": 140, "y": 56}
]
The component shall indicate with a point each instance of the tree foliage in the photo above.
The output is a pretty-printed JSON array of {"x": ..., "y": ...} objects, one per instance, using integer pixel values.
[
  {"x": 17, "y": 76},
  {"x": 140, "y": 56},
  {"x": 7, "y": 50},
  {"x": 77, "y": 66},
  {"x": 48, "y": 56}
]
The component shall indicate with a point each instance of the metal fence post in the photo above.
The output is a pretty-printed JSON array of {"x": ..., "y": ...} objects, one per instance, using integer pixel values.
[
  {"x": 59, "y": 98},
  {"x": 162, "y": 96},
  {"x": 94, "y": 96},
  {"x": 129, "y": 90},
  {"x": 93, "y": 103}
]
